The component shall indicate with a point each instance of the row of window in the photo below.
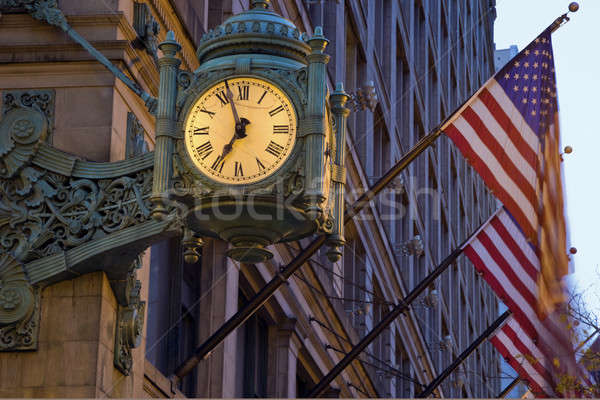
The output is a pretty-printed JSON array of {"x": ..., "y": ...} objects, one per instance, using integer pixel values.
[{"x": 439, "y": 198}]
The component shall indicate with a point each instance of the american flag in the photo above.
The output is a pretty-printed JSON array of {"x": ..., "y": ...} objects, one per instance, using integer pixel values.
[
  {"x": 508, "y": 131},
  {"x": 526, "y": 358},
  {"x": 511, "y": 266}
]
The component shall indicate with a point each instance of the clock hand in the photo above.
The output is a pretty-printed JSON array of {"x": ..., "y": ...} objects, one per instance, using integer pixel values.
[
  {"x": 240, "y": 123},
  {"x": 229, "y": 94},
  {"x": 240, "y": 133}
]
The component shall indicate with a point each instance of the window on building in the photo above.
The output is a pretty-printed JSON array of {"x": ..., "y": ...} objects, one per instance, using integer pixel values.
[
  {"x": 193, "y": 14},
  {"x": 381, "y": 162},
  {"x": 431, "y": 212},
  {"x": 220, "y": 10},
  {"x": 354, "y": 278},
  {"x": 324, "y": 13},
  {"x": 379, "y": 311},
  {"x": 401, "y": 224},
  {"x": 433, "y": 95},
  {"x": 253, "y": 341},
  {"x": 355, "y": 78},
  {"x": 444, "y": 63},
  {"x": 404, "y": 386},
  {"x": 173, "y": 312},
  {"x": 420, "y": 45},
  {"x": 406, "y": 8},
  {"x": 304, "y": 383},
  {"x": 382, "y": 31},
  {"x": 188, "y": 344},
  {"x": 403, "y": 93}
]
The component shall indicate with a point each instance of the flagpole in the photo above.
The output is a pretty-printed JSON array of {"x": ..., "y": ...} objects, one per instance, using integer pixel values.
[
  {"x": 392, "y": 173},
  {"x": 510, "y": 387},
  {"x": 472, "y": 347}
]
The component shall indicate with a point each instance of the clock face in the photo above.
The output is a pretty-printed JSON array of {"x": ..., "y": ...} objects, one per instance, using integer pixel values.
[{"x": 240, "y": 130}]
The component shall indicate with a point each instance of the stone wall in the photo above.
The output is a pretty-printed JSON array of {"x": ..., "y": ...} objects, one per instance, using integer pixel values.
[{"x": 75, "y": 349}]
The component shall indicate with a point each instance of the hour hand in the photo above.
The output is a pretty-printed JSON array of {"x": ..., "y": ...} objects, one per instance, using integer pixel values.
[
  {"x": 240, "y": 133},
  {"x": 227, "y": 149}
]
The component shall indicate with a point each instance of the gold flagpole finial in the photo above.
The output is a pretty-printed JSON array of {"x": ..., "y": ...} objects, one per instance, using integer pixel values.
[
  {"x": 563, "y": 19},
  {"x": 567, "y": 150},
  {"x": 574, "y": 7}
]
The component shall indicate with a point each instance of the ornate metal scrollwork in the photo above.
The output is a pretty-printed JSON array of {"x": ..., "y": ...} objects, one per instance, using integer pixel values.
[
  {"x": 43, "y": 10},
  {"x": 43, "y": 213},
  {"x": 19, "y": 307},
  {"x": 21, "y": 131},
  {"x": 147, "y": 29},
  {"x": 36, "y": 100},
  {"x": 130, "y": 322},
  {"x": 184, "y": 79},
  {"x": 413, "y": 247}
]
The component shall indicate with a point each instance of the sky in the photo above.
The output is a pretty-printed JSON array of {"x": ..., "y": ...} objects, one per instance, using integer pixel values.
[{"x": 577, "y": 62}]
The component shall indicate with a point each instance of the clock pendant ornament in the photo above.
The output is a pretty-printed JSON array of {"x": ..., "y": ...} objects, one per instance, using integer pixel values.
[{"x": 251, "y": 145}]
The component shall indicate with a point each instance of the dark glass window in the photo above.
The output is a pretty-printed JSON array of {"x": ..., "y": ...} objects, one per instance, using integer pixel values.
[
  {"x": 255, "y": 354},
  {"x": 173, "y": 312}
]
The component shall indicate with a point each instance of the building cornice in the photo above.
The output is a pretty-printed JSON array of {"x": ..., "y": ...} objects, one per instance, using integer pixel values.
[{"x": 168, "y": 18}]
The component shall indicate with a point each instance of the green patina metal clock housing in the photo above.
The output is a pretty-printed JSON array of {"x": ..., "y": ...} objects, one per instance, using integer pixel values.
[{"x": 256, "y": 158}]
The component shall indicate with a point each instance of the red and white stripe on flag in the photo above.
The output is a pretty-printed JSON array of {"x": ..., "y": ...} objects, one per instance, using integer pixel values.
[
  {"x": 509, "y": 264},
  {"x": 521, "y": 352},
  {"x": 497, "y": 141},
  {"x": 508, "y": 131}
]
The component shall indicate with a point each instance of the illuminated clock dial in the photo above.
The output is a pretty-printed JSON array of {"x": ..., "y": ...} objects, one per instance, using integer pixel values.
[{"x": 240, "y": 130}]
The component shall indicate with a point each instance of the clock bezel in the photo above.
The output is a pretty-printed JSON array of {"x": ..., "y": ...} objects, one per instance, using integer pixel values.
[{"x": 294, "y": 95}]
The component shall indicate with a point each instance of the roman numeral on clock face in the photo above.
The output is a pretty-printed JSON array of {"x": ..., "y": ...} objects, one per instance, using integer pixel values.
[
  {"x": 262, "y": 97},
  {"x": 274, "y": 149},
  {"x": 238, "y": 169},
  {"x": 222, "y": 97},
  {"x": 260, "y": 165},
  {"x": 218, "y": 164},
  {"x": 281, "y": 129},
  {"x": 210, "y": 113},
  {"x": 204, "y": 150},
  {"x": 275, "y": 111},
  {"x": 201, "y": 131},
  {"x": 244, "y": 91}
]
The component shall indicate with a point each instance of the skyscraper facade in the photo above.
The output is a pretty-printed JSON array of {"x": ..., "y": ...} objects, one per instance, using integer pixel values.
[{"x": 408, "y": 64}]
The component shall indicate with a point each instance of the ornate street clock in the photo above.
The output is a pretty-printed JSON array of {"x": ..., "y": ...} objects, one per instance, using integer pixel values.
[{"x": 258, "y": 153}]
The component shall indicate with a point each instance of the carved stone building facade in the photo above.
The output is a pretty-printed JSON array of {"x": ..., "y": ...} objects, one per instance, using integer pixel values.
[{"x": 121, "y": 331}]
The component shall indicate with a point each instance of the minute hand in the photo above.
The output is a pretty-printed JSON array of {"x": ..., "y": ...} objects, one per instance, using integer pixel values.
[{"x": 233, "y": 109}]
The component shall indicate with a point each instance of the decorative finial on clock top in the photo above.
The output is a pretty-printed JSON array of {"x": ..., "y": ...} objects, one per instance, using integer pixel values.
[{"x": 264, "y": 4}]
